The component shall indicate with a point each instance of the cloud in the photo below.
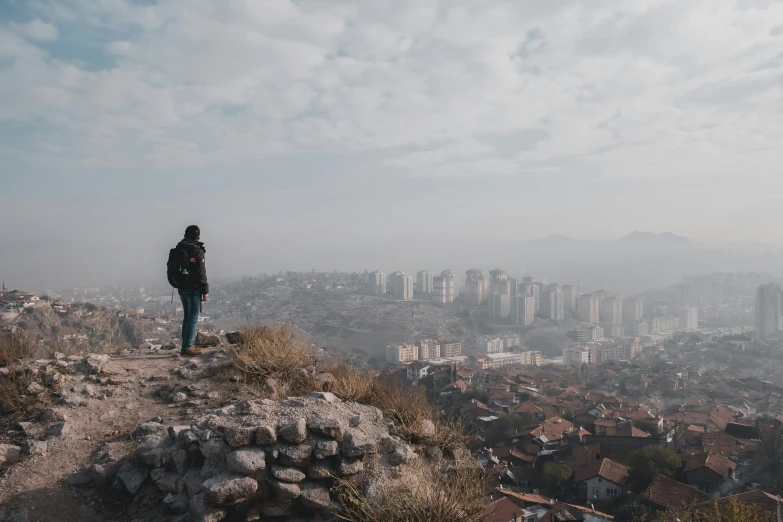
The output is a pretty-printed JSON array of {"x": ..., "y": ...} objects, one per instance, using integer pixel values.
[
  {"x": 35, "y": 30},
  {"x": 431, "y": 88}
]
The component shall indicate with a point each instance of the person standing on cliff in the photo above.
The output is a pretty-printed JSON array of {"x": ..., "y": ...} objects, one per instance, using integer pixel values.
[{"x": 187, "y": 272}]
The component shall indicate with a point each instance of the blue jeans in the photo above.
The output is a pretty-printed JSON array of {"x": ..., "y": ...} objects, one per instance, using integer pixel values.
[{"x": 191, "y": 306}]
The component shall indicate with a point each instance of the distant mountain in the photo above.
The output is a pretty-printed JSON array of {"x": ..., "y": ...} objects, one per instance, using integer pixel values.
[{"x": 649, "y": 239}]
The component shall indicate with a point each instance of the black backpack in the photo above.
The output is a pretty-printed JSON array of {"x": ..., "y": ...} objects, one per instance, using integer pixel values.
[{"x": 178, "y": 267}]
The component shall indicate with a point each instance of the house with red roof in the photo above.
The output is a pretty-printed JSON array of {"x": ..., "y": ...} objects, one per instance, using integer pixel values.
[{"x": 601, "y": 480}]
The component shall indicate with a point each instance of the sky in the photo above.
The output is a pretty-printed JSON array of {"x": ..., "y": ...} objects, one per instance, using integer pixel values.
[{"x": 348, "y": 134}]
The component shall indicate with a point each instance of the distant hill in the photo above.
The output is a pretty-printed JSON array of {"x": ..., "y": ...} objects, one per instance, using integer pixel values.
[{"x": 666, "y": 239}]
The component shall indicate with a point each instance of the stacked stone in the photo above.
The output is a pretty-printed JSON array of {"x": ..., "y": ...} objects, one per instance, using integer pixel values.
[{"x": 257, "y": 460}]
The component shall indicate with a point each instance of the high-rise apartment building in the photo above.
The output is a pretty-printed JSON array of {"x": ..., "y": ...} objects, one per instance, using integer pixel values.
[
  {"x": 376, "y": 283},
  {"x": 689, "y": 318},
  {"x": 402, "y": 352},
  {"x": 499, "y": 306},
  {"x": 475, "y": 287},
  {"x": 612, "y": 310},
  {"x": 401, "y": 286},
  {"x": 569, "y": 297},
  {"x": 769, "y": 310},
  {"x": 523, "y": 309},
  {"x": 498, "y": 281},
  {"x": 633, "y": 310},
  {"x": 424, "y": 282},
  {"x": 513, "y": 286},
  {"x": 589, "y": 307},
  {"x": 445, "y": 287},
  {"x": 552, "y": 305},
  {"x": 534, "y": 290}
]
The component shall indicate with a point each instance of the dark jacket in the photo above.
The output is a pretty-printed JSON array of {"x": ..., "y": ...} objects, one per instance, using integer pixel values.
[{"x": 198, "y": 269}]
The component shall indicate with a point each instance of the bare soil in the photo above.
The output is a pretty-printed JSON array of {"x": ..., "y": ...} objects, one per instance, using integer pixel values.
[{"x": 99, "y": 431}]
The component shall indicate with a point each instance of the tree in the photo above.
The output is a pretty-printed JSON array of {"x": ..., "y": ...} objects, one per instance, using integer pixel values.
[
  {"x": 731, "y": 510},
  {"x": 508, "y": 425},
  {"x": 649, "y": 462},
  {"x": 555, "y": 476},
  {"x": 770, "y": 454}
]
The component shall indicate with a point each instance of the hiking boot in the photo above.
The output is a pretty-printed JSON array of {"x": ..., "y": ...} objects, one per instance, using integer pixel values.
[{"x": 191, "y": 351}]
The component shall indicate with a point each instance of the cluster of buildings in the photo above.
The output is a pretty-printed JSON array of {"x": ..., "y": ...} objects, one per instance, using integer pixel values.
[
  {"x": 14, "y": 301},
  {"x": 769, "y": 310},
  {"x": 619, "y": 349},
  {"x": 609, "y": 316},
  {"x": 422, "y": 350},
  {"x": 591, "y": 421}
]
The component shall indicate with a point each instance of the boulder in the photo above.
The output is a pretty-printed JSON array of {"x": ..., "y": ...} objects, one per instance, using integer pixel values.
[
  {"x": 357, "y": 444},
  {"x": 294, "y": 432},
  {"x": 234, "y": 337},
  {"x": 326, "y": 448},
  {"x": 351, "y": 466},
  {"x": 284, "y": 491},
  {"x": 53, "y": 415},
  {"x": 294, "y": 455},
  {"x": 132, "y": 477},
  {"x": 35, "y": 389},
  {"x": 204, "y": 340},
  {"x": 402, "y": 454},
  {"x": 61, "y": 429},
  {"x": 265, "y": 435},
  {"x": 229, "y": 487},
  {"x": 239, "y": 436},
  {"x": 9, "y": 453},
  {"x": 200, "y": 512},
  {"x": 287, "y": 474},
  {"x": 35, "y": 447},
  {"x": 320, "y": 470},
  {"x": 315, "y": 497},
  {"x": 93, "y": 364},
  {"x": 247, "y": 461},
  {"x": 331, "y": 428}
]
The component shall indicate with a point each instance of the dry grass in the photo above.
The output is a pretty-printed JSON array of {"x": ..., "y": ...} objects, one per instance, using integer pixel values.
[
  {"x": 424, "y": 495},
  {"x": 13, "y": 387},
  {"x": 272, "y": 358},
  {"x": 350, "y": 384}
]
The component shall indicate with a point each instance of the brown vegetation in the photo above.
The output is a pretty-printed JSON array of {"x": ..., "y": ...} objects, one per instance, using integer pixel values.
[
  {"x": 14, "y": 385},
  {"x": 425, "y": 494},
  {"x": 730, "y": 510}
]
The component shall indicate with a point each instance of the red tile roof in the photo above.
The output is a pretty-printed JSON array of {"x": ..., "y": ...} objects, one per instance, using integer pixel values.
[
  {"x": 712, "y": 461},
  {"x": 669, "y": 493},
  {"x": 606, "y": 468},
  {"x": 502, "y": 510}
]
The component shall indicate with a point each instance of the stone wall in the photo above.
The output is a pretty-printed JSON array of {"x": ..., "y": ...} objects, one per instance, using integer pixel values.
[{"x": 260, "y": 460}]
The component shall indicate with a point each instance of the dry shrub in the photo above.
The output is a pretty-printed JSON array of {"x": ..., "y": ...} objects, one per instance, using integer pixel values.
[
  {"x": 351, "y": 384},
  {"x": 273, "y": 354},
  {"x": 16, "y": 346},
  {"x": 13, "y": 387},
  {"x": 420, "y": 493},
  {"x": 407, "y": 406}
]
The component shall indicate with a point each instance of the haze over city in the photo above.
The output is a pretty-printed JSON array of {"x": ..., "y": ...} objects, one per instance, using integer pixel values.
[{"x": 404, "y": 135}]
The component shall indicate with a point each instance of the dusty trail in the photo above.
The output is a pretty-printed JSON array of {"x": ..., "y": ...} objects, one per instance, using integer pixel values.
[{"x": 98, "y": 432}]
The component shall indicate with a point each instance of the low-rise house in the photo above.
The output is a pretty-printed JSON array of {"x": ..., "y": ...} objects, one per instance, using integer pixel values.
[
  {"x": 707, "y": 471},
  {"x": 504, "y": 510},
  {"x": 665, "y": 493},
  {"x": 601, "y": 480}
]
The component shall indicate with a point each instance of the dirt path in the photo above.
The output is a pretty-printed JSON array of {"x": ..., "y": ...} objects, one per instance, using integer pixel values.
[{"x": 98, "y": 431}]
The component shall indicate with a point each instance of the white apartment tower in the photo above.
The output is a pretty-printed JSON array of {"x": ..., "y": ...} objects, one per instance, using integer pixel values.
[
  {"x": 499, "y": 306},
  {"x": 533, "y": 289},
  {"x": 612, "y": 310},
  {"x": 444, "y": 287},
  {"x": 523, "y": 309},
  {"x": 589, "y": 307},
  {"x": 424, "y": 282},
  {"x": 498, "y": 281},
  {"x": 401, "y": 286},
  {"x": 552, "y": 305},
  {"x": 633, "y": 310},
  {"x": 769, "y": 310},
  {"x": 689, "y": 318},
  {"x": 376, "y": 283},
  {"x": 569, "y": 297},
  {"x": 475, "y": 287}
]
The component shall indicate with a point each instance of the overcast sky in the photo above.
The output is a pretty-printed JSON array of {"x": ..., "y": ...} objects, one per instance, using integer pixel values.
[{"x": 346, "y": 133}]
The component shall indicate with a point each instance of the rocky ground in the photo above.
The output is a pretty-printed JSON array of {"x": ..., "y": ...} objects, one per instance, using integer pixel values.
[{"x": 97, "y": 405}]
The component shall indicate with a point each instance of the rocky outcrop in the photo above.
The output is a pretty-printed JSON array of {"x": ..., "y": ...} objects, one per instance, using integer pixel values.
[{"x": 261, "y": 460}]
